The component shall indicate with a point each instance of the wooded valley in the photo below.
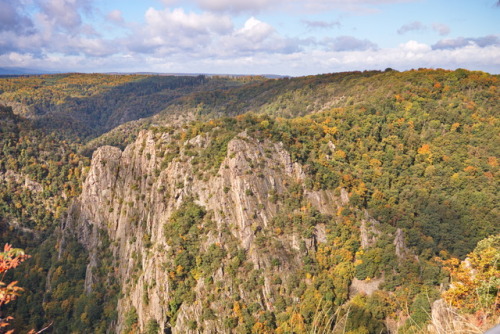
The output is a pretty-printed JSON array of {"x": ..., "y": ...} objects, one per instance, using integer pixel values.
[{"x": 356, "y": 202}]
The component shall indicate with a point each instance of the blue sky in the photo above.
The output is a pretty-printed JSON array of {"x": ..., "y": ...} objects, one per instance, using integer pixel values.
[{"x": 288, "y": 37}]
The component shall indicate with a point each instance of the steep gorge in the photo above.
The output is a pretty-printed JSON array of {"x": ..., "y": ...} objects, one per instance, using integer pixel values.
[{"x": 232, "y": 219}]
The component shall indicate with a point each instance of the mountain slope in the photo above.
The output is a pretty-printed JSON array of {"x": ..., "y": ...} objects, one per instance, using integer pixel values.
[
  {"x": 304, "y": 204},
  {"x": 86, "y": 105}
]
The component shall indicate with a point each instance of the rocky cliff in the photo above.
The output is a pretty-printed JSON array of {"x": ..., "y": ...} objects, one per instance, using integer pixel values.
[{"x": 131, "y": 196}]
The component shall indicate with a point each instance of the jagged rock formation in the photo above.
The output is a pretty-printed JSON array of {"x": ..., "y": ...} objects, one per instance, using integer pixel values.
[{"x": 127, "y": 196}]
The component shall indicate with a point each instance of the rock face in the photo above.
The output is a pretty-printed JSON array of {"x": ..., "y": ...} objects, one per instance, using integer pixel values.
[
  {"x": 446, "y": 319},
  {"x": 11, "y": 176},
  {"x": 365, "y": 287},
  {"x": 369, "y": 231},
  {"x": 399, "y": 242},
  {"x": 131, "y": 195}
]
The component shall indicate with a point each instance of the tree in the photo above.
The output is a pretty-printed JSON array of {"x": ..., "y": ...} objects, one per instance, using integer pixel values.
[
  {"x": 476, "y": 280},
  {"x": 10, "y": 258}
]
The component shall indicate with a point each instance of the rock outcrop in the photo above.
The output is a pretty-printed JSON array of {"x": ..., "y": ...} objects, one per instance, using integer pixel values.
[{"x": 131, "y": 195}]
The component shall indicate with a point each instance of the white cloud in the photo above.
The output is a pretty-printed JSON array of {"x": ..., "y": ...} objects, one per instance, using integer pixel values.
[
  {"x": 171, "y": 32},
  {"x": 461, "y": 42},
  {"x": 413, "y": 26},
  {"x": 178, "y": 19},
  {"x": 255, "y": 36},
  {"x": 12, "y": 18},
  {"x": 441, "y": 29},
  {"x": 115, "y": 16},
  {"x": 414, "y": 46},
  {"x": 254, "y": 31},
  {"x": 59, "y": 29},
  {"x": 65, "y": 14},
  {"x": 176, "y": 30}
]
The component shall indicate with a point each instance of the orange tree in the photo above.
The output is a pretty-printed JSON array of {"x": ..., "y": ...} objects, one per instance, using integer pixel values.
[{"x": 10, "y": 258}]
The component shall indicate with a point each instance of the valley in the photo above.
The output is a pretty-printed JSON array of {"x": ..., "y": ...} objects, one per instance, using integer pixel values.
[{"x": 355, "y": 202}]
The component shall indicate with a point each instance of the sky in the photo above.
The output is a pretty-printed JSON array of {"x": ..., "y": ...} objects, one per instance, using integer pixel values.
[{"x": 285, "y": 37}]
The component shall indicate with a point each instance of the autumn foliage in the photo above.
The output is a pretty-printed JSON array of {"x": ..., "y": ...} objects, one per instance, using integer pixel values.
[
  {"x": 475, "y": 281},
  {"x": 10, "y": 258}
]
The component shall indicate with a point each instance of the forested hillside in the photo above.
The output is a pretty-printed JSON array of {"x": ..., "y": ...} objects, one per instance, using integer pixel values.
[
  {"x": 87, "y": 105},
  {"x": 339, "y": 203}
]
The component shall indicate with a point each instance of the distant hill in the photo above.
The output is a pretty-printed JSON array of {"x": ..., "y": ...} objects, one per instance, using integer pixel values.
[
  {"x": 87, "y": 105},
  {"x": 22, "y": 71},
  {"x": 9, "y": 71},
  {"x": 268, "y": 76}
]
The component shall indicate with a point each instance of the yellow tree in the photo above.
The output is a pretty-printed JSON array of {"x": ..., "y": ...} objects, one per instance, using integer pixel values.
[{"x": 475, "y": 282}]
